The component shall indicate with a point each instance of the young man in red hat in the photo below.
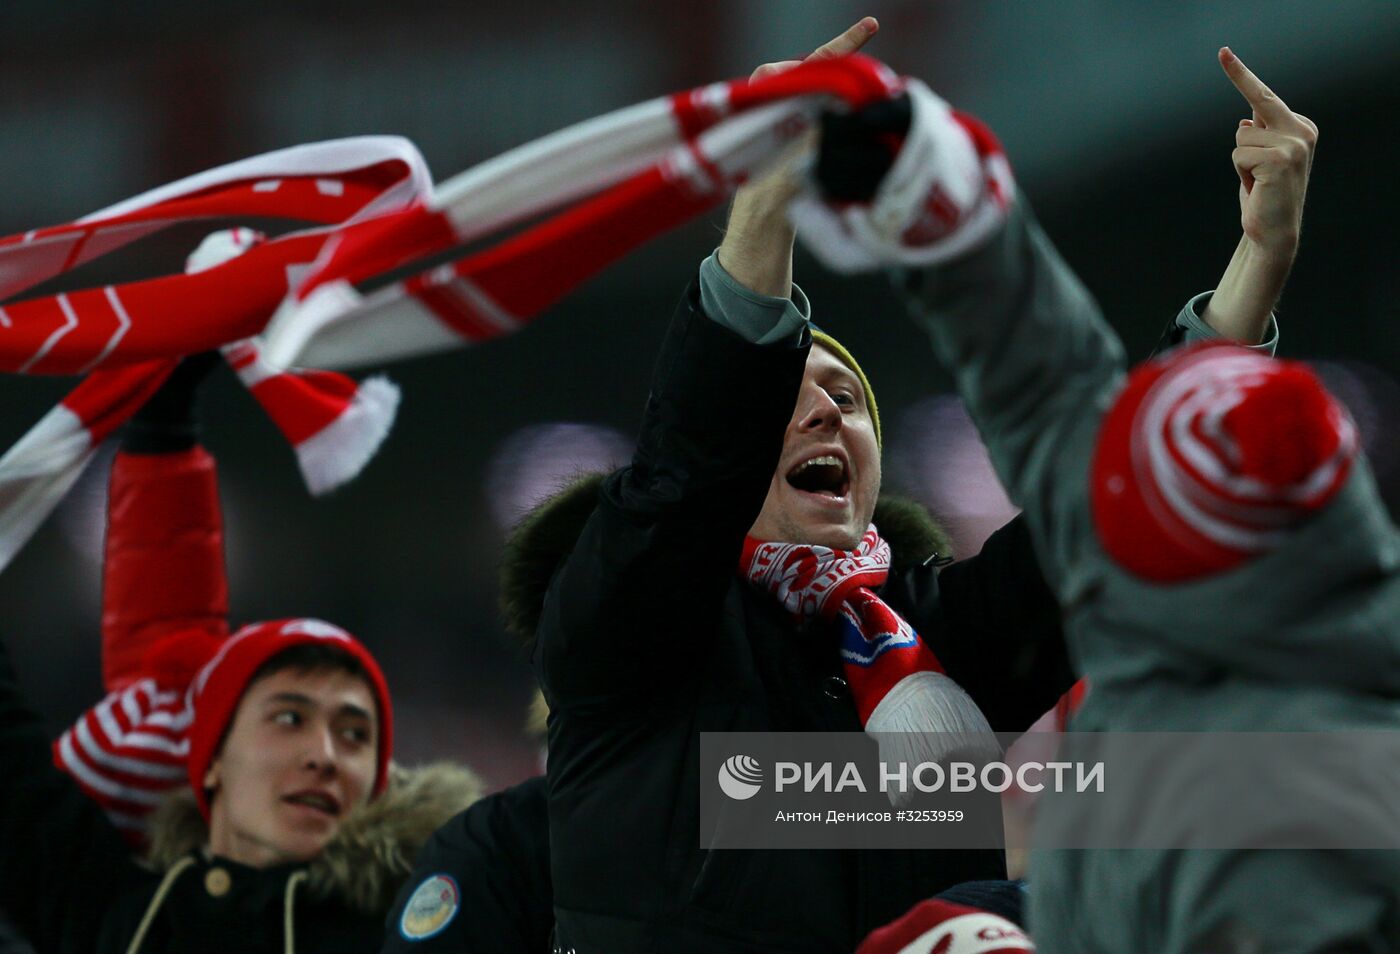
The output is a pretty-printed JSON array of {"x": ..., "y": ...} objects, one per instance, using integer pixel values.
[
  {"x": 254, "y": 769},
  {"x": 1219, "y": 546}
]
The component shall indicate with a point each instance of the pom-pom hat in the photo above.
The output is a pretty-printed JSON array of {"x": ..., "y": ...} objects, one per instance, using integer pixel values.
[
  {"x": 936, "y": 926},
  {"x": 1211, "y": 455},
  {"x": 220, "y": 685}
]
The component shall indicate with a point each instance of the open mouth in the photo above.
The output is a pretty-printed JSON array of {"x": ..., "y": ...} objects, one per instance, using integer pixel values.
[
  {"x": 824, "y": 475},
  {"x": 319, "y": 801}
]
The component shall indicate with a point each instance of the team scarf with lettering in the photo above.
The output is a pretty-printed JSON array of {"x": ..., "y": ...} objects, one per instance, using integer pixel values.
[
  {"x": 902, "y": 694},
  {"x": 334, "y": 295}
]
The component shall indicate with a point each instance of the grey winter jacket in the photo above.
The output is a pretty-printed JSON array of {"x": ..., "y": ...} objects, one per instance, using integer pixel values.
[{"x": 1304, "y": 638}]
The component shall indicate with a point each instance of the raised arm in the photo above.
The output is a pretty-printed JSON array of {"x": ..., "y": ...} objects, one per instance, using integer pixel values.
[
  {"x": 1033, "y": 358},
  {"x": 1272, "y": 157},
  {"x": 163, "y": 569},
  {"x": 634, "y": 608}
]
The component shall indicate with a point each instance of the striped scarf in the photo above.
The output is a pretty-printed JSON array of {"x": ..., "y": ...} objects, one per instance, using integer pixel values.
[
  {"x": 604, "y": 186},
  {"x": 902, "y": 694}
]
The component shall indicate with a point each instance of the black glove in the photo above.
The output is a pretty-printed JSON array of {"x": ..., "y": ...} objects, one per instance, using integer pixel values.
[
  {"x": 858, "y": 148},
  {"x": 167, "y": 421}
]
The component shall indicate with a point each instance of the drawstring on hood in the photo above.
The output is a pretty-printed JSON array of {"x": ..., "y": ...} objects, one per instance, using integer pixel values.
[
  {"x": 157, "y": 900},
  {"x": 288, "y": 927}
]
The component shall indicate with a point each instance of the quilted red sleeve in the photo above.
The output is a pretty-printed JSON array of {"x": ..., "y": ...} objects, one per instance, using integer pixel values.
[{"x": 164, "y": 563}]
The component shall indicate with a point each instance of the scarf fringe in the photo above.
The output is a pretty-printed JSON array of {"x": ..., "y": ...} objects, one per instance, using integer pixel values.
[{"x": 338, "y": 452}]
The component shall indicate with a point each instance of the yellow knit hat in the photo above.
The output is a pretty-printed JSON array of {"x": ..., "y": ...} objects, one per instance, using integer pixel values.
[{"x": 838, "y": 349}]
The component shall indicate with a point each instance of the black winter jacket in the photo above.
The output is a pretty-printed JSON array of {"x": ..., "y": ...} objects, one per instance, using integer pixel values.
[
  {"x": 647, "y": 638},
  {"x": 497, "y": 854}
]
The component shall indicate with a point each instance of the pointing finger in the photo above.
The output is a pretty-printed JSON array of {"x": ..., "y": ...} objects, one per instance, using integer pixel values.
[
  {"x": 1268, "y": 108},
  {"x": 848, "y": 42}
]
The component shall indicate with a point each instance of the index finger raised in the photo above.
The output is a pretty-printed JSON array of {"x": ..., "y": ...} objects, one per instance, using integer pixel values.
[
  {"x": 1261, "y": 99},
  {"x": 855, "y": 37}
]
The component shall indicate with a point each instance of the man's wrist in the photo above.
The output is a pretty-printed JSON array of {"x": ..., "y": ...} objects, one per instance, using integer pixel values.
[
  {"x": 1277, "y": 254},
  {"x": 759, "y": 318}
]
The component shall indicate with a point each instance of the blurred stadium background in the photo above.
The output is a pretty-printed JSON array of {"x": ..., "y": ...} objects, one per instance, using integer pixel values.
[{"x": 1115, "y": 114}]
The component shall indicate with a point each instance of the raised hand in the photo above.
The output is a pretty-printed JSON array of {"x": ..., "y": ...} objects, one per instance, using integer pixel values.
[
  {"x": 757, "y": 245},
  {"x": 1273, "y": 155},
  {"x": 850, "y": 41}
]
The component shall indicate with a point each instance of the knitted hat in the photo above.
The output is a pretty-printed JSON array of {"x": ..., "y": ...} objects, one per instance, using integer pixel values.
[
  {"x": 220, "y": 685},
  {"x": 846, "y": 358},
  {"x": 1210, "y": 456},
  {"x": 941, "y": 927}
]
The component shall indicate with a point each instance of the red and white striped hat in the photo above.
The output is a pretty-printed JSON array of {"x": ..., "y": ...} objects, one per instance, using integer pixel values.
[{"x": 1211, "y": 455}]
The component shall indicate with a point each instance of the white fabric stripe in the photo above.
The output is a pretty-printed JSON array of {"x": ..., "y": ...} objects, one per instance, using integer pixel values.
[
  {"x": 966, "y": 934},
  {"x": 165, "y": 709},
  {"x": 36, "y": 473},
  {"x": 1208, "y": 501},
  {"x": 136, "y": 739},
  {"x": 98, "y": 754},
  {"x": 176, "y": 720},
  {"x": 135, "y": 713},
  {"x": 321, "y": 158},
  {"x": 258, "y": 370},
  {"x": 562, "y": 167},
  {"x": 331, "y": 327},
  {"x": 100, "y": 783},
  {"x": 1155, "y": 424},
  {"x": 5, "y": 319},
  {"x": 746, "y": 144},
  {"x": 484, "y": 305},
  {"x": 123, "y": 326},
  {"x": 683, "y": 167},
  {"x": 70, "y": 322}
]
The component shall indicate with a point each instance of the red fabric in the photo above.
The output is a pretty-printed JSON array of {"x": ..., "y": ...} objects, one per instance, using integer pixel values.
[
  {"x": 305, "y": 402},
  {"x": 105, "y": 399},
  {"x": 163, "y": 570},
  {"x": 579, "y": 243},
  {"x": 879, "y": 649},
  {"x": 75, "y": 331},
  {"x": 940, "y": 927},
  {"x": 220, "y": 685},
  {"x": 1286, "y": 429},
  {"x": 1189, "y": 496}
]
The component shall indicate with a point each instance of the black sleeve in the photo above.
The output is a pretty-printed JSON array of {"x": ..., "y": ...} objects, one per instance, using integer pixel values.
[
  {"x": 995, "y": 625},
  {"x": 636, "y": 605},
  {"x": 496, "y": 853},
  {"x": 168, "y": 421},
  {"x": 59, "y": 856}
]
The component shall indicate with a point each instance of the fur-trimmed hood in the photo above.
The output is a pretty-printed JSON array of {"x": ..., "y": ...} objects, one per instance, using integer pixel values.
[
  {"x": 548, "y": 533},
  {"x": 373, "y": 850}
]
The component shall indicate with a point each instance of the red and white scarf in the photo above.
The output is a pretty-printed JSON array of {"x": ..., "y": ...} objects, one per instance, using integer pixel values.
[
  {"x": 901, "y": 692},
  {"x": 608, "y": 184}
]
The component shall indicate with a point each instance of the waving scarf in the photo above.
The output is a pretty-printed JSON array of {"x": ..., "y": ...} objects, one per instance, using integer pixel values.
[{"x": 602, "y": 187}]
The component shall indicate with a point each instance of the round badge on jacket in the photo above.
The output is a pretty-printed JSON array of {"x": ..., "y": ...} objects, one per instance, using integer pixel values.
[{"x": 430, "y": 908}]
